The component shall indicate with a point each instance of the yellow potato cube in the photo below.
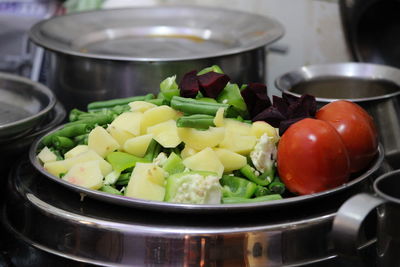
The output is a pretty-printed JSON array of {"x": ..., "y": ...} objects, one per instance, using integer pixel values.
[
  {"x": 141, "y": 106},
  {"x": 138, "y": 145},
  {"x": 157, "y": 115},
  {"x": 188, "y": 151},
  {"x": 205, "y": 160},
  {"x": 102, "y": 142},
  {"x": 199, "y": 140},
  {"x": 46, "y": 155},
  {"x": 165, "y": 133},
  {"x": 79, "y": 149},
  {"x": 219, "y": 117},
  {"x": 241, "y": 144},
  {"x": 128, "y": 121},
  {"x": 119, "y": 135},
  {"x": 242, "y": 128},
  {"x": 147, "y": 182},
  {"x": 85, "y": 174},
  {"x": 231, "y": 160},
  {"x": 62, "y": 166},
  {"x": 259, "y": 128}
]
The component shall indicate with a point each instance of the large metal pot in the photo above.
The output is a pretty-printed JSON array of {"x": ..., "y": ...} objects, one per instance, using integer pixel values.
[
  {"x": 48, "y": 225},
  {"x": 374, "y": 87},
  {"x": 119, "y": 53}
]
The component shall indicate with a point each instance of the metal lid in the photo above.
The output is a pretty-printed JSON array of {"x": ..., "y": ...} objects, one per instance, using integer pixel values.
[
  {"x": 161, "y": 33},
  {"x": 23, "y": 103}
]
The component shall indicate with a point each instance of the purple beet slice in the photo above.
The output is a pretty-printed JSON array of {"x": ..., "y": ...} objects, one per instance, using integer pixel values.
[
  {"x": 270, "y": 115},
  {"x": 256, "y": 98},
  {"x": 189, "y": 85},
  {"x": 212, "y": 83}
]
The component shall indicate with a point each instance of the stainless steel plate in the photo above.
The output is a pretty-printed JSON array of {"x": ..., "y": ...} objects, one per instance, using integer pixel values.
[
  {"x": 23, "y": 103},
  {"x": 337, "y": 194},
  {"x": 161, "y": 33}
]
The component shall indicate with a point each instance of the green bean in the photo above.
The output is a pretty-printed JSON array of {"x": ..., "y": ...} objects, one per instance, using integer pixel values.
[
  {"x": 198, "y": 121},
  {"x": 98, "y": 119},
  {"x": 153, "y": 150},
  {"x": 192, "y": 106},
  {"x": 124, "y": 178},
  {"x": 62, "y": 143},
  {"x": 117, "y": 102},
  {"x": 67, "y": 131},
  {"x": 158, "y": 101},
  {"x": 111, "y": 190},
  {"x": 250, "y": 173},
  {"x": 236, "y": 200},
  {"x": 276, "y": 186},
  {"x": 81, "y": 139},
  {"x": 262, "y": 191},
  {"x": 75, "y": 114}
]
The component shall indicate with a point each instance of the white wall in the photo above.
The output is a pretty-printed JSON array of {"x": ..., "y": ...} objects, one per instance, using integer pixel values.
[{"x": 313, "y": 29}]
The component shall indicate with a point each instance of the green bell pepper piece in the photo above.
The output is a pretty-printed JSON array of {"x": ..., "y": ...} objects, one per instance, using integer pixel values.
[{"x": 237, "y": 187}]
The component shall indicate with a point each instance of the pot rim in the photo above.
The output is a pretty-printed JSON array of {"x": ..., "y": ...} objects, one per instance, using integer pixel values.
[
  {"x": 372, "y": 71},
  {"x": 265, "y": 38}
]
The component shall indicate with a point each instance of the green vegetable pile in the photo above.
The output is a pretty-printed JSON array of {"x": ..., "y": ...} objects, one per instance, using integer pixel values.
[{"x": 191, "y": 143}]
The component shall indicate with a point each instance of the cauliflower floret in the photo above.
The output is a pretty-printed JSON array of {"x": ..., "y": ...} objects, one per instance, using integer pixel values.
[
  {"x": 198, "y": 189},
  {"x": 264, "y": 153},
  {"x": 160, "y": 159}
]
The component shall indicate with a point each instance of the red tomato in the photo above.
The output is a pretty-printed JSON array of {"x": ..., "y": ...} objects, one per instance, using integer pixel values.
[
  {"x": 357, "y": 129},
  {"x": 312, "y": 157}
]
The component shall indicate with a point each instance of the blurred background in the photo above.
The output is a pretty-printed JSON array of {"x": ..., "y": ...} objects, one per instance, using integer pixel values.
[{"x": 313, "y": 29}]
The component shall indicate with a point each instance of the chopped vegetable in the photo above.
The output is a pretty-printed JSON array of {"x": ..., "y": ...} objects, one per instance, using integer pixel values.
[{"x": 237, "y": 187}]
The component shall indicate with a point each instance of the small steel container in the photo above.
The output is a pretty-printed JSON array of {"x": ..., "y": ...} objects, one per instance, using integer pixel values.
[{"x": 374, "y": 87}]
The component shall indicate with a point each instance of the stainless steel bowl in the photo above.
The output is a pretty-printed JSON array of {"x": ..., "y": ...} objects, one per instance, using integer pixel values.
[
  {"x": 357, "y": 183},
  {"x": 124, "y": 52},
  {"x": 374, "y": 87},
  {"x": 23, "y": 104}
]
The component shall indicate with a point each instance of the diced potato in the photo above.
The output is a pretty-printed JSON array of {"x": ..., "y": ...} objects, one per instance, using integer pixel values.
[
  {"x": 219, "y": 117},
  {"x": 241, "y": 144},
  {"x": 62, "y": 166},
  {"x": 231, "y": 160},
  {"x": 157, "y": 115},
  {"x": 141, "y": 106},
  {"x": 147, "y": 182},
  {"x": 258, "y": 128},
  {"x": 165, "y": 133},
  {"x": 129, "y": 121},
  {"x": 46, "y": 155},
  {"x": 85, "y": 174},
  {"x": 238, "y": 127},
  {"x": 102, "y": 142},
  {"x": 138, "y": 145},
  {"x": 188, "y": 151},
  {"x": 121, "y": 136},
  {"x": 79, "y": 149},
  {"x": 205, "y": 160},
  {"x": 199, "y": 140}
]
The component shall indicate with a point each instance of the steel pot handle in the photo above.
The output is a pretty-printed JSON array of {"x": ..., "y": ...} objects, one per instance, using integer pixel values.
[{"x": 349, "y": 219}]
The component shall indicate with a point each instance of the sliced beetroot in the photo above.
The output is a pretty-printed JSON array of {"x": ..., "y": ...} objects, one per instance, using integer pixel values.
[
  {"x": 212, "y": 83},
  {"x": 270, "y": 115},
  {"x": 280, "y": 104},
  {"x": 189, "y": 85},
  {"x": 256, "y": 98},
  {"x": 309, "y": 103},
  {"x": 289, "y": 99}
]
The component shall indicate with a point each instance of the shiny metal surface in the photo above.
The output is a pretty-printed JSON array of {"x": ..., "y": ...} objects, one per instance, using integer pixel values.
[
  {"x": 23, "y": 103},
  {"x": 341, "y": 192},
  {"x": 161, "y": 33},
  {"x": 353, "y": 213},
  {"x": 374, "y": 87},
  {"x": 54, "y": 221},
  {"x": 120, "y": 53}
]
